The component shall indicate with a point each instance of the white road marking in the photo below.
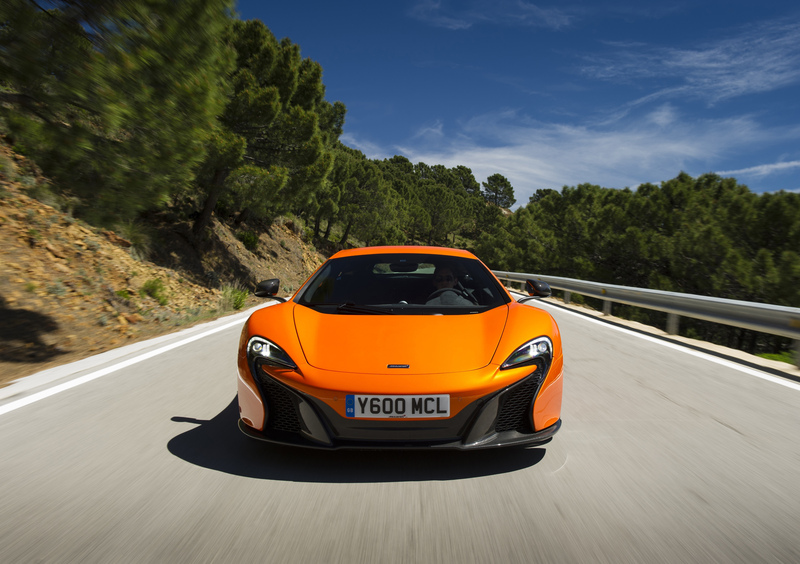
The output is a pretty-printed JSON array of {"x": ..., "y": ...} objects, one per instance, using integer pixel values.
[
  {"x": 27, "y": 400},
  {"x": 33, "y": 398}
]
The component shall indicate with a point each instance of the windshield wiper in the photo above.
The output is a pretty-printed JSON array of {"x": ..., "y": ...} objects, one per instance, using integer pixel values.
[{"x": 350, "y": 307}]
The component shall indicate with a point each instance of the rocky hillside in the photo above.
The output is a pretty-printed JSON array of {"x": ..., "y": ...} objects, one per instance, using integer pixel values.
[{"x": 68, "y": 290}]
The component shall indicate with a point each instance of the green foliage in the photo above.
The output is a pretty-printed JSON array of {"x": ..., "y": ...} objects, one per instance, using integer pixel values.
[
  {"x": 139, "y": 236},
  {"x": 113, "y": 99},
  {"x": 367, "y": 207},
  {"x": 431, "y": 204},
  {"x": 498, "y": 190},
  {"x": 706, "y": 235},
  {"x": 233, "y": 297},
  {"x": 249, "y": 239},
  {"x": 257, "y": 189},
  {"x": 43, "y": 191},
  {"x": 284, "y": 127},
  {"x": 155, "y": 289},
  {"x": 7, "y": 168},
  {"x": 785, "y": 356},
  {"x": 124, "y": 294}
]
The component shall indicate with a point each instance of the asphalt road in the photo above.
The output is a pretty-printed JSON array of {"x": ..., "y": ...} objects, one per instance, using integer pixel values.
[{"x": 664, "y": 456}]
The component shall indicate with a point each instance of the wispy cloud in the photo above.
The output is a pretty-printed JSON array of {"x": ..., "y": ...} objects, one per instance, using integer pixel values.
[
  {"x": 760, "y": 59},
  {"x": 371, "y": 150},
  {"x": 762, "y": 170},
  {"x": 535, "y": 155},
  {"x": 430, "y": 132},
  {"x": 464, "y": 14}
]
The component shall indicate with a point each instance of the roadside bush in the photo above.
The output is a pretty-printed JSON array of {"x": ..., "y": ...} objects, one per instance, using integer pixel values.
[
  {"x": 139, "y": 238},
  {"x": 233, "y": 297},
  {"x": 249, "y": 239},
  {"x": 155, "y": 289}
]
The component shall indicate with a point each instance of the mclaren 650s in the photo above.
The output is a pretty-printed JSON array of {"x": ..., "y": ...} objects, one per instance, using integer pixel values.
[{"x": 400, "y": 347}]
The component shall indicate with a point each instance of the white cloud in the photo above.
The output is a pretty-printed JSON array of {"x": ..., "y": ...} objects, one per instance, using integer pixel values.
[
  {"x": 762, "y": 170},
  {"x": 761, "y": 58},
  {"x": 464, "y": 14},
  {"x": 663, "y": 116},
  {"x": 371, "y": 150},
  {"x": 431, "y": 12},
  {"x": 535, "y": 155},
  {"x": 430, "y": 132}
]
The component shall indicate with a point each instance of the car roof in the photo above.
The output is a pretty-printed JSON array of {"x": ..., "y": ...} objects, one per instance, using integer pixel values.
[{"x": 409, "y": 249}]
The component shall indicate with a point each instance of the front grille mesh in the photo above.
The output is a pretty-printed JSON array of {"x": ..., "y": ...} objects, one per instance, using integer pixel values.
[
  {"x": 514, "y": 413},
  {"x": 282, "y": 415},
  {"x": 516, "y": 405}
]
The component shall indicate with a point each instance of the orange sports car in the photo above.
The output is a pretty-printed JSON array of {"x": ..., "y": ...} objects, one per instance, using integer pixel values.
[{"x": 400, "y": 347}]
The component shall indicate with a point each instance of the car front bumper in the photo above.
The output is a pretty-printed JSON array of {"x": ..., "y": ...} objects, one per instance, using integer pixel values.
[{"x": 500, "y": 419}]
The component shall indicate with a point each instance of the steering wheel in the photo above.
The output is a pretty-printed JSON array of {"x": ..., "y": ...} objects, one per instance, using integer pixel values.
[{"x": 456, "y": 291}]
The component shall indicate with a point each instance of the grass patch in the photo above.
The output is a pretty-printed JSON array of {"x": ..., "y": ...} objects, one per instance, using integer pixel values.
[
  {"x": 233, "y": 297},
  {"x": 139, "y": 237},
  {"x": 57, "y": 288},
  {"x": 44, "y": 192},
  {"x": 7, "y": 167},
  {"x": 785, "y": 356},
  {"x": 155, "y": 289}
]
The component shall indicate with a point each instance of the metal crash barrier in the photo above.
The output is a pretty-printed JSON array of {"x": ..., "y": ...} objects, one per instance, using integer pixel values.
[{"x": 766, "y": 318}]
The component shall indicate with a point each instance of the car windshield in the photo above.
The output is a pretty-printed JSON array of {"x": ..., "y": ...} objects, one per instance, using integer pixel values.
[{"x": 407, "y": 284}]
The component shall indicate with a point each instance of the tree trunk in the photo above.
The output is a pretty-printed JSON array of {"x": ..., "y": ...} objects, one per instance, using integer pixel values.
[
  {"x": 217, "y": 186},
  {"x": 327, "y": 235},
  {"x": 343, "y": 241},
  {"x": 243, "y": 216}
]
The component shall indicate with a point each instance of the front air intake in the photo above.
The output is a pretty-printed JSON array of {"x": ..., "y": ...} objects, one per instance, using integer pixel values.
[
  {"x": 281, "y": 406},
  {"x": 516, "y": 404}
]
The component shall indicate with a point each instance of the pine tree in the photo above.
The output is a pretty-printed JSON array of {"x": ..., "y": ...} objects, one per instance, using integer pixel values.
[
  {"x": 277, "y": 110},
  {"x": 498, "y": 190},
  {"x": 114, "y": 98}
]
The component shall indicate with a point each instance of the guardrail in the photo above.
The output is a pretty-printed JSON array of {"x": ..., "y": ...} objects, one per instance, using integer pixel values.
[{"x": 767, "y": 318}]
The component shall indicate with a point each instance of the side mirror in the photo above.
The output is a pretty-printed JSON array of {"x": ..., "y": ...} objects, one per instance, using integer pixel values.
[
  {"x": 268, "y": 289},
  {"x": 536, "y": 289}
]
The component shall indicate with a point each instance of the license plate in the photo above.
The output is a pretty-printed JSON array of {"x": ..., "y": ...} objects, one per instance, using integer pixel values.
[{"x": 397, "y": 407}]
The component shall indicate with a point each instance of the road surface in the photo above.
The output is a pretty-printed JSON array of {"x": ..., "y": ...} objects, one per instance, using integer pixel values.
[{"x": 665, "y": 455}]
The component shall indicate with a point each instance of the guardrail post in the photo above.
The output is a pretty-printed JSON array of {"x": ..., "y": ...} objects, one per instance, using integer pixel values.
[
  {"x": 797, "y": 353},
  {"x": 673, "y": 321},
  {"x": 567, "y": 296},
  {"x": 606, "y": 307}
]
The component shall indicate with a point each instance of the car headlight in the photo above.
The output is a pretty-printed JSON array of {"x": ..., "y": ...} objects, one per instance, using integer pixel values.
[
  {"x": 540, "y": 348},
  {"x": 259, "y": 348}
]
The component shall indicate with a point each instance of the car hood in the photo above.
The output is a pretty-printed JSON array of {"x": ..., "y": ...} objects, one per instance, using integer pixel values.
[{"x": 426, "y": 344}]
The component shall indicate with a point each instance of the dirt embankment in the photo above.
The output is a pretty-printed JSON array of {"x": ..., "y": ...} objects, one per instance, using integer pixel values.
[{"x": 68, "y": 290}]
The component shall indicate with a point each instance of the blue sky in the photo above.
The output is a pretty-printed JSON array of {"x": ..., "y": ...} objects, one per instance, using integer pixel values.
[{"x": 614, "y": 93}]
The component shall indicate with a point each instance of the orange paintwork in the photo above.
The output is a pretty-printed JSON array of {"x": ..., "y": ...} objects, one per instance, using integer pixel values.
[
  {"x": 442, "y": 251},
  {"x": 459, "y": 354},
  {"x": 251, "y": 407},
  {"x": 547, "y": 408},
  {"x": 427, "y": 343}
]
